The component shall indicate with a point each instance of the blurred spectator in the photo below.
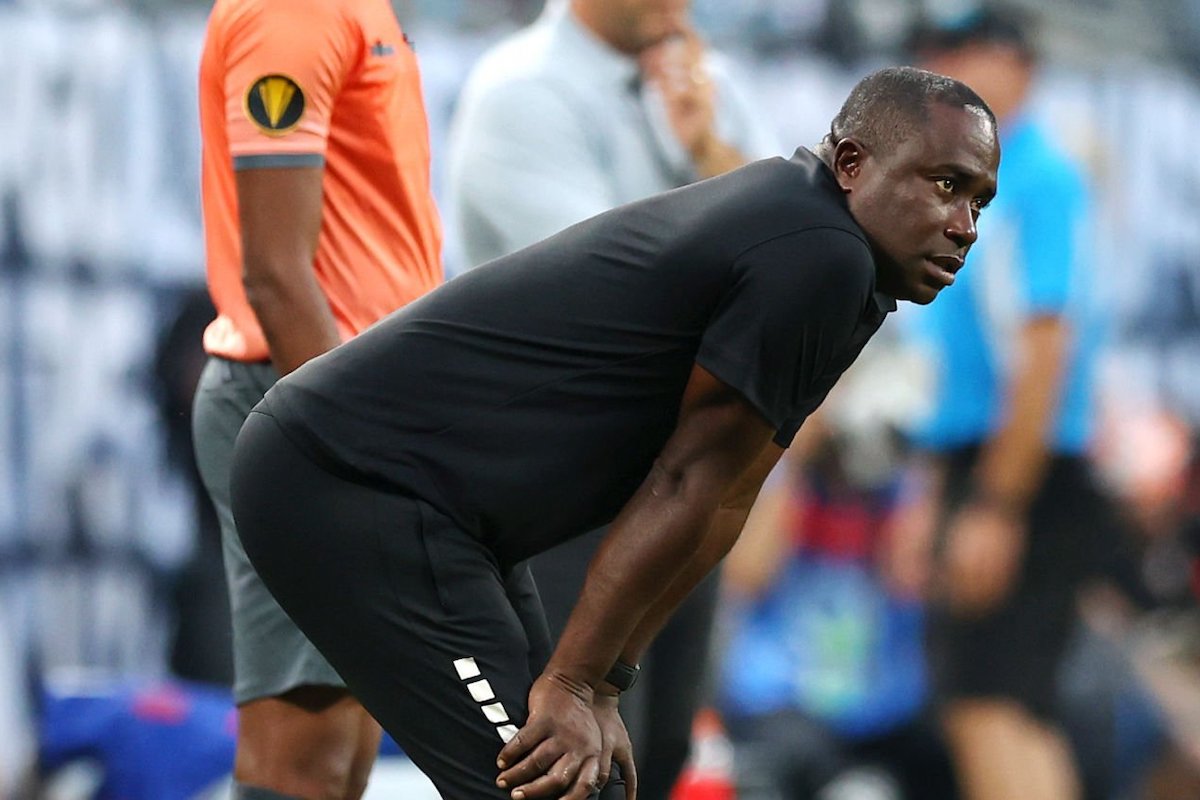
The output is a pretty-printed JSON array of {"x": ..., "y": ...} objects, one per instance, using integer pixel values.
[
  {"x": 594, "y": 105},
  {"x": 824, "y": 687},
  {"x": 599, "y": 103},
  {"x": 106, "y": 737},
  {"x": 147, "y": 740},
  {"x": 1022, "y": 521}
]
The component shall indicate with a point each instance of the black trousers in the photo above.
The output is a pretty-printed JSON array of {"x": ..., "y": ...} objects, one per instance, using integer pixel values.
[{"x": 437, "y": 641}]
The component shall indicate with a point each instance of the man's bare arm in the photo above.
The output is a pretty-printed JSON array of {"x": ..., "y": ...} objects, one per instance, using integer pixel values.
[
  {"x": 667, "y": 522},
  {"x": 280, "y": 213},
  {"x": 664, "y": 526},
  {"x": 726, "y": 526}
]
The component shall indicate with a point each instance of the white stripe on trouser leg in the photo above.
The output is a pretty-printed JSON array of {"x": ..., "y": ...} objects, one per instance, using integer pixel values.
[
  {"x": 481, "y": 691},
  {"x": 466, "y": 668},
  {"x": 495, "y": 712}
]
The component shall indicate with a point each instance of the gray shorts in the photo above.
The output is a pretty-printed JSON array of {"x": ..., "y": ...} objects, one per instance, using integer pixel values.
[{"x": 270, "y": 655}]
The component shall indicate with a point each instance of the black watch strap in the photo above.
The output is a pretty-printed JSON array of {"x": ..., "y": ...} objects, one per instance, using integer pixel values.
[{"x": 623, "y": 676}]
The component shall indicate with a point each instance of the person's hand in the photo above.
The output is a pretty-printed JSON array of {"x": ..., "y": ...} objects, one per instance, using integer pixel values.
[
  {"x": 615, "y": 744},
  {"x": 905, "y": 554},
  {"x": 675, "y": 68},
  {"x": 985, "y": 546},
  {"x": 557, "y": 752}
]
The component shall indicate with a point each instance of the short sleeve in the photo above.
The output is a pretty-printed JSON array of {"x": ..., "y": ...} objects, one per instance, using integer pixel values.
[
  {"x": 284, "y": 67},
  {"x": 793, "y": 306},
  {"x": 1051, "y": 234}
]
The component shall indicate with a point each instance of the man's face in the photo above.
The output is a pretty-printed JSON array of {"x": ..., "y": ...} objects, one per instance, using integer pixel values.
[
  {"x": 645, "y": 23},
  {"x": 919, "y": 203}
]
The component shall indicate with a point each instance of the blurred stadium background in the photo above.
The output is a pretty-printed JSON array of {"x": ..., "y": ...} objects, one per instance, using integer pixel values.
[{"x": 109, "y": 563}]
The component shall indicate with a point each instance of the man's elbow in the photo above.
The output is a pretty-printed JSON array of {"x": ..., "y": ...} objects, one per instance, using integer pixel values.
[
  {"x": 267, "y": 280},
  {"x": 698, "y": 485},
  {"x": 262, "y": 293},
  {"x": 740, "y": 500}
]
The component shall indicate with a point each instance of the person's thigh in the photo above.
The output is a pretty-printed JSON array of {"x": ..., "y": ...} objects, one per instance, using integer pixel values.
[
  {"x": 414, "y": 613},
  {"x": 271, "y": 656}
]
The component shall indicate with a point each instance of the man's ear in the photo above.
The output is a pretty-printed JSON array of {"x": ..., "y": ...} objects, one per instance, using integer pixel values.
[{"x": 848, "y": 157}]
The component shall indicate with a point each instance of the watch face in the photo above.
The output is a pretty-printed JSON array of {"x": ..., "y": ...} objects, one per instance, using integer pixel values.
[{"x": 623, "y": 676}]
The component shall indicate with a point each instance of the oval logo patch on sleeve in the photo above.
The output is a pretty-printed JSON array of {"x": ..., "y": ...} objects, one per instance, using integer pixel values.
[{"x": 275, "y": 104}]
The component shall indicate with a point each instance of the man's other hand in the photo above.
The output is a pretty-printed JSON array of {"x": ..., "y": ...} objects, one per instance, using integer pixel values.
[
  {"x": 557, "y": 752},
  {"x": 984, "y": 550},
  {"x": 615, "y": 744}
]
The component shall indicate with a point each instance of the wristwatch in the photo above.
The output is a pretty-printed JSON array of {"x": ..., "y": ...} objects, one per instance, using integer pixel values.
[{"x": 623, "y": 676}]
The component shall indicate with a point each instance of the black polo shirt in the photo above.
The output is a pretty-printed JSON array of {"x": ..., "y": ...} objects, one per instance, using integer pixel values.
[{"x": 528, "y": 398}]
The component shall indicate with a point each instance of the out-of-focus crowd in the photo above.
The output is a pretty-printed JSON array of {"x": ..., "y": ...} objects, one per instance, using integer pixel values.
[{"x": 110, "y": 577}]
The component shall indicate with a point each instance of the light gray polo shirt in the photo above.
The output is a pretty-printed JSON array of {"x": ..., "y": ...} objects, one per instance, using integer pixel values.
[{"x": 555, "y": 126}]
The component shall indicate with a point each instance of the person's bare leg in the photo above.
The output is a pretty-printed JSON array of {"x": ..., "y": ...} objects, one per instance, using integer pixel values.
[
  {"x": 314, "y": 743},
  {"x": 1002, "y": 753},
  {"x": 1052, "y": 762}
]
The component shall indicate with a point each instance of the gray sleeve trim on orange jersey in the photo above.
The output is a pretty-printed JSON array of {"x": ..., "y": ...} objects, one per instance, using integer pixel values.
[{"x": 279, "y": 160}]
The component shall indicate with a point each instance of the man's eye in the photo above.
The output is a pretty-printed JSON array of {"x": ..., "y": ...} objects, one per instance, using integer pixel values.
[{"x": 946, "y": 184}]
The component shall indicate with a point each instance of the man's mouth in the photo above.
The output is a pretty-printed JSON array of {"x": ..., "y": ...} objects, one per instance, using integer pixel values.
[
  {"x": 945, "y": 267},
  {"x": 952, "y": 263}
]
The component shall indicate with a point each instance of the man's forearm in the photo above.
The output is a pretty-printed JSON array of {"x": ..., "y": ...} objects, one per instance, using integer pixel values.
[
  {"x": 645, "y": 551},
  {"x": 717, "y": 456},
  {"x": 728, "y": 521},
  {"x": 294, "y": 316},
  {"x": 724, "y": 531},
  {"x": 280, "y": 215}
]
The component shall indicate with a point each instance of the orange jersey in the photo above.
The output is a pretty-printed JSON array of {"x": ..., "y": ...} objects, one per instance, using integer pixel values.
[{"x": 309, "y": 83}]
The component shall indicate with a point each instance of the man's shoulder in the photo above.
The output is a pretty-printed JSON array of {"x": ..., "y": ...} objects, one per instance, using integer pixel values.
[
  {"x": 777, "y": 211},
  {"x": 286, "y": 10},
  {"x": 810, "y": 221},
  {"x": 798, "y": 192},
  {"x": 263, "y": 25},
  {"x": 822, "y": 246}
]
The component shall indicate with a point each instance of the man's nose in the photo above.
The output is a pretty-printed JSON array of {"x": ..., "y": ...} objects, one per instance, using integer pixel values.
[{"x": 960, "y": 228}]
